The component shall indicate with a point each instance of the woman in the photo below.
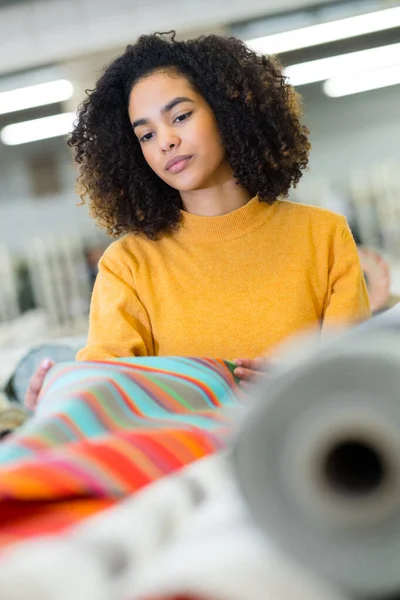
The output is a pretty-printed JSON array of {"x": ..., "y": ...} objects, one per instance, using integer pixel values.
[{"x": 186, "y": 148}]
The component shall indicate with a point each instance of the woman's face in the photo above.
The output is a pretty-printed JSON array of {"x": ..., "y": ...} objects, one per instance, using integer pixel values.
[{"x": 178, "y": 132}]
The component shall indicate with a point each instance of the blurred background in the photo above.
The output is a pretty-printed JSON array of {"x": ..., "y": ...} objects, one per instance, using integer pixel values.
[{"x": 344, "y": 58}]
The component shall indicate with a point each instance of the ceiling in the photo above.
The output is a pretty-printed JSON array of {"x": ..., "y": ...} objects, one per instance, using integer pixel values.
[{"x": 39, "y": 32}]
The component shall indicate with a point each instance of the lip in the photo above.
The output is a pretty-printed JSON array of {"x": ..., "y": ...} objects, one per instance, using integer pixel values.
[{"x": 178, "y": 163}]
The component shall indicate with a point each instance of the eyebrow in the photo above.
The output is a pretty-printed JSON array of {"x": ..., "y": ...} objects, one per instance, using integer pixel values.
[{"x": 167, "y": 108}]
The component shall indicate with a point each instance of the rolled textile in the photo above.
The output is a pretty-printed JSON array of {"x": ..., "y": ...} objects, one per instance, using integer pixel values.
[
  {"x": 10, "y": 419},
  {"x": 63, "y": 351},
  {"x": 318, "y": 458}
]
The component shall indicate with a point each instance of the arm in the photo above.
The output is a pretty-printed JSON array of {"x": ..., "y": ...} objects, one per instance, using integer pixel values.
[
  {"x": 118, "y": 325},
  {"x": 346, "y": 302},
  {"x": 347, "y": 298}
]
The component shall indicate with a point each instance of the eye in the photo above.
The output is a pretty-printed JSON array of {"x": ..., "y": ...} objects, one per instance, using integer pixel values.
[
  {"x": 146, "y": 137},
  {"x": 183, "y": 117}
]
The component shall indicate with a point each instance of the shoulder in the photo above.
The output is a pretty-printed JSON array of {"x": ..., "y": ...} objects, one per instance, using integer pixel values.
[
  {"x": 321, "y": 228},
  {"x": 321, "y": 225},
  {"x": 314, "y": 216},
  {"x": 121, "y": 256},
  {"x": 125, "y": 248}
]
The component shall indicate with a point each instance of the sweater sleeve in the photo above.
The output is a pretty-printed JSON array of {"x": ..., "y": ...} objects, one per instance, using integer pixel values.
[
  {"x": 119, "y": 325},
  {"x": 347, "y": 298}
]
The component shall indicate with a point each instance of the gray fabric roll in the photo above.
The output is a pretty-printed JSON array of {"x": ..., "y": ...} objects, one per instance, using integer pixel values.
[
  {"x": 318, "y": 459},
  {"x": 11, "y": 419},
  {"x": 63, "y": 351}
]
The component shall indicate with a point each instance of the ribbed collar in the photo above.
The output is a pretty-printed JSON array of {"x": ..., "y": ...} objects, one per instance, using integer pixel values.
[{"x": 235, "y": 224}]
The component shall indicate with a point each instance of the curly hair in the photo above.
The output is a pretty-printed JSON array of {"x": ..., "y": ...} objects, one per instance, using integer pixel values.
[{"x": 258, "y": 115}]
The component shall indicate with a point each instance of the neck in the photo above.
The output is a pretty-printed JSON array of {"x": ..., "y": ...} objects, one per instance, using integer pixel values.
[{"x": 215, "y": 200}]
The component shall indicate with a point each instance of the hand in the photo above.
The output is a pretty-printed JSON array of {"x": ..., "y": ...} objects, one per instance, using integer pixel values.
[
  {"x": 36, "y": 382},
  {"x": 377, "y": 274},
  {"x": 250, "y": 370}
]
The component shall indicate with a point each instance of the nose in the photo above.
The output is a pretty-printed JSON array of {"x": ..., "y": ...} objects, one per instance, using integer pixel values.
[{"x": 168, "y": 141}]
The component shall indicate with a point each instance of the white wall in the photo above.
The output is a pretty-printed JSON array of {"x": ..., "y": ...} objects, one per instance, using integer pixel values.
[
  {"x": 352, "y": 132},
  {"x": 23, "y": 217}
]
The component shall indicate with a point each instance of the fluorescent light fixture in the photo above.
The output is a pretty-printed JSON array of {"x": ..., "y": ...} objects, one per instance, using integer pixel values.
[
  {"x": 343, "y": 65},
  {"x": 362, "y": 82},
  {"x": 314, "y": 35},
  {"x": 35, "y": 95},
  {"x": 37, "y": 129}
]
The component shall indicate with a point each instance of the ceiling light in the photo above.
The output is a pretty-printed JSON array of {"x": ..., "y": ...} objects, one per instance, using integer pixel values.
[
  {"x": 37, "y": 129},
  {"x": 343, "y": 64},
  {"x": 314, "y": 35},
  {"x": 362, "y": 82},
  {"x": 35, "y": 95}
]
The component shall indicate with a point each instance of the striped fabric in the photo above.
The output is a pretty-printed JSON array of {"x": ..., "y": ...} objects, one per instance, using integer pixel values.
[{"x": 106, "y": 429}]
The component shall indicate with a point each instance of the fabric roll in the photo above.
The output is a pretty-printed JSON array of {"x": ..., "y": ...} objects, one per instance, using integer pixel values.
[
  {"x": 10, "y": 419},
  {"x": 18, "y": 382},
  {"x": 318, "y": 459}
]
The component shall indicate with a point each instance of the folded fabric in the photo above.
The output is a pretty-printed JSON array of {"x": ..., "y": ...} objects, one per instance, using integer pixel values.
[
  {"x": 185, "y": 536},
  {"x": 106, "y": 429}
]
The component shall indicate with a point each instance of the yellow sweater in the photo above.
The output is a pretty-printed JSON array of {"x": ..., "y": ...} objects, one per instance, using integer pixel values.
[{"x": 229, "y": 286}]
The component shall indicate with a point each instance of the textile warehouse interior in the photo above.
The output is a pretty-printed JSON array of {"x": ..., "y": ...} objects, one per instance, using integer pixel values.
[{"x": 339, "y": 539}]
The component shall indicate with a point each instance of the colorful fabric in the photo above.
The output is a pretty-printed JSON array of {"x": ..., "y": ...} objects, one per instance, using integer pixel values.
[
  {"x": 106, "y": 429},
  {"x": 186, "y": 536}
]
